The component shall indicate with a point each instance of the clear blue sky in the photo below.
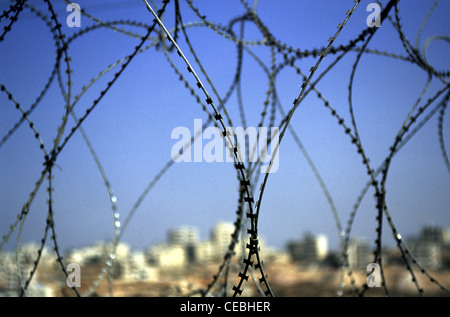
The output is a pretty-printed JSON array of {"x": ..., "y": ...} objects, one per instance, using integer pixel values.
[{"x": 130, "y": 128}]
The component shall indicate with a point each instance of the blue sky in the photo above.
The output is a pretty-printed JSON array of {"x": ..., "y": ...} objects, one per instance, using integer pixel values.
[{"x": 130, "y": 129}]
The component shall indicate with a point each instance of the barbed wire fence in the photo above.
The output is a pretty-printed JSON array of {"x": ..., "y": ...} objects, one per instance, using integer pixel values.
[{"x": 158, "y": 37}]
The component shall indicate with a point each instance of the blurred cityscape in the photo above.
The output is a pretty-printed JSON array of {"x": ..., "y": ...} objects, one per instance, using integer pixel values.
[{"x": 184, "y": 264}]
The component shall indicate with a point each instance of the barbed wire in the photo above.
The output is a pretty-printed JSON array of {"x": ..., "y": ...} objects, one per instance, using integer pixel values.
[{"x": 282, "y": 56}]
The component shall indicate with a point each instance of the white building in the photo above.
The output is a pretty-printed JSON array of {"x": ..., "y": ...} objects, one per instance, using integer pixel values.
[
  {"x": 97, "y": 253},
  {"x": 184, "y": 247},
  {"x": 221, "y": 236},
  {"x": 427, "y": 253},
  {"x": 206, "y": 252},
  {"x": 185, "y": 235},
  {"x": 167, "y": 256},
  {"x": 321, "y": 246},
  {"x": 359, "y": 254},
  {"x": 427, "y": 247},
  {"x": 309, "y": 249},
  {"x": 10, "y": 265},
  {"x": 138, "y": 268}
]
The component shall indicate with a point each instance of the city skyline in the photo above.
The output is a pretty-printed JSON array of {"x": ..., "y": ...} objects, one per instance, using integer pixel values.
[
  {"x": 201, "y": 236},
  {"x": 184, "y": 259}
]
